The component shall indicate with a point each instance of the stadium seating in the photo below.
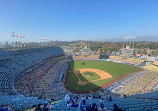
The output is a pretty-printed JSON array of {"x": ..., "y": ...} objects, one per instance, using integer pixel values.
[
  {"x": 151, "y": 67},
  {"x": 62, "y": 72},
  {"x": 20, "y": 60},
  {"x": 138, "y": 83},
  {"x": 87, "y": 57},
  {"x": 150, "y": 95},
  {"x": 41, "y": 77},
  {"x": 3, "y": 53},
  {"x": 129, "y": 104},
  {"x": 127, "y": 60},
  {"x": 39, "y": 72},
  {"x": 19, "y": 102},
  {"x": 155, "y": 63}
]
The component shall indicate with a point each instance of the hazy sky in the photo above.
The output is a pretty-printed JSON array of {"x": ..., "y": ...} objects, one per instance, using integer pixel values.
[{"x": 78, "y": 19}]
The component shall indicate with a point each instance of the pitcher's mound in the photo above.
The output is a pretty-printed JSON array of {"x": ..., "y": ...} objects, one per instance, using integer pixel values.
[{"x": 88, "y": 76}]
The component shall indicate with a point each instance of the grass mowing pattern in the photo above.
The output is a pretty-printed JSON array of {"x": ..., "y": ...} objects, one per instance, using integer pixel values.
[{"x": 115, "y": 69}]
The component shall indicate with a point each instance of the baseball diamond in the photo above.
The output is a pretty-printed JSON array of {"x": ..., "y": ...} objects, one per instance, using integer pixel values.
[{"x": 89, "y": 76}]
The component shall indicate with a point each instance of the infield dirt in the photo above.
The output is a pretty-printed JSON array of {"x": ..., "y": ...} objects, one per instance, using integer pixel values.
[{"x": 102, "y": 74}]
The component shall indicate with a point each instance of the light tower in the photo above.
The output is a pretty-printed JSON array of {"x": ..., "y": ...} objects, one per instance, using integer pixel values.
[
  {"x": 147, "y": 56},
  {"x": 45, "y": 40},
  {"x": 128, "y": 41},
  {"x": 17, "y": 36},
  {"x": 86, "y": 43}
]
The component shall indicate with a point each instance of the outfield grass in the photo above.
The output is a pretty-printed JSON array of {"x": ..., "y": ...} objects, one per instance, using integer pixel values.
[{"x": 115, "y": 69}]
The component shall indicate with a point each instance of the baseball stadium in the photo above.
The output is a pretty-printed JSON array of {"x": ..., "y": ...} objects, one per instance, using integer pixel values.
[
  {"x": 79, "y": 55},
  {"x": 47, "y": 75}
]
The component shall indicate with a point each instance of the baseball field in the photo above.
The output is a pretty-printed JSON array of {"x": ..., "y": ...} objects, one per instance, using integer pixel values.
[{"x": 90, "y": 76}]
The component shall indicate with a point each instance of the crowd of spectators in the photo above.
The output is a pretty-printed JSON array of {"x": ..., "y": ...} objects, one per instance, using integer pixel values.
[
  {"x": 127, "y": 80},
  {"x": 77, "y": 102},
  {"x": 81, "y": 103},
  {"x": 127, "y": 60},
  {"x": 142, "y": 84},
  {"x": 38, "y": 80},
  {"x": 46, "y": 82},
  {"x": 18, "y": 61},
  {"x": 151, "y": 67},
  {"x": 139, "y": 83}
]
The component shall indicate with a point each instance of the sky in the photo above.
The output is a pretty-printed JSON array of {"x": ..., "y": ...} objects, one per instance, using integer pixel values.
[{"x": 68, "y": 20}]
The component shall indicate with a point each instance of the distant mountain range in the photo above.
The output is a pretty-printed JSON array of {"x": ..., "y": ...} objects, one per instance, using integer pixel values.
[
  {"x": 142, "y": 38},
  {"x": 147, "y": 38}
]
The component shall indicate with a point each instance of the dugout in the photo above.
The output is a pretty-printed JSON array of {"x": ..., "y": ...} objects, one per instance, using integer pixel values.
[{"x": 104, "y": 56}]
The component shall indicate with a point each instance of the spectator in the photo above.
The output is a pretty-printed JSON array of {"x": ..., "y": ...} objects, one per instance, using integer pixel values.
[
  {"x": 83, "y": 98},
  {"x": 74, "y": 104},
  {"x": 94, "y": 97},
  {"x": 89, "y": 108},
  {"x": 45, "y": 108},
  {"x": 76, "y": 99},
  {"x": 89, "y": 97},
  {"x": 102, "y": 100},
  {"x": 67, "y": 98},
  {"x": 102, "y": 107},
  {"x": 68, "y": 104},
  {"x": 116, "y": 108},
  {"x": 94, "y": 107},
  {"x": 38, "y": 108},
  {"x": 110, "y": 98},
  {"x": 83, "y": 105}
]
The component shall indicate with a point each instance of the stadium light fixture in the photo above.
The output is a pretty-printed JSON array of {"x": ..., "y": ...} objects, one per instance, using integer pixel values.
[
  {"x": 17, "y": 35},
  {"x": 45, "y": 40},
  {"x": 129, "y": 39}
]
